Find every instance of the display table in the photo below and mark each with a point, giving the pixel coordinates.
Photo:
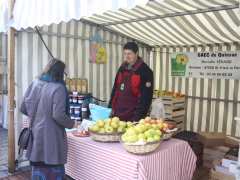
(90, 160)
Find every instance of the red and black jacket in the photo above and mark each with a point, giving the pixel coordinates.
(138, 95)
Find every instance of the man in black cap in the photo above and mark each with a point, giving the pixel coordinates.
(133, 87)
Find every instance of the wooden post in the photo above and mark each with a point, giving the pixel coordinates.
(11, 94)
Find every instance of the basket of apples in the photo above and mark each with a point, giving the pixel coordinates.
(142, 138)
(108, 130)
(169, 129)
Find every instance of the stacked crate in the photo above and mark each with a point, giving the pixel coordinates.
(175, 109)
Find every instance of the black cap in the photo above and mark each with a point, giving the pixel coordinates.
(131, 46)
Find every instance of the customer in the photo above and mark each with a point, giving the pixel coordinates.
(46, 104)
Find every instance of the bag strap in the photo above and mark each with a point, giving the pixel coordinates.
(35, 112)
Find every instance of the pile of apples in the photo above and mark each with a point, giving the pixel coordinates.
(147, 130)
(172, 94)
(110, 125)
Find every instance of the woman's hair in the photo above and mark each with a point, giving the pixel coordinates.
(55, 68)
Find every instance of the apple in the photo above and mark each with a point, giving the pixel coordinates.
(159, 121)
(165, 125)
(121, 129)
(109, 129)
(148, 126)
(132, 138)
(114, 124)
(124, 137)
(150, 139)
(153, 121)
(155, 126)
(158, 132)
(160, 125)
(100, 123)
(94, 128)
(140, 128)
(148, 118)
(129, 124)
(122, 123)
(156, 138)
(131, 131)
(141, 137)
(142, 121)
(115, 119)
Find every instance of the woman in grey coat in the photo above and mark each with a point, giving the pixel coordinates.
(46, 104)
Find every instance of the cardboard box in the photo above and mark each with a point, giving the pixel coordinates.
(212, 139)
(214, 175)
(218, 175)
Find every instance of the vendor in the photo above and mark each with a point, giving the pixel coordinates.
(133, 87)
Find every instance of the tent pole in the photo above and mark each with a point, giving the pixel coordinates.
(11, 92)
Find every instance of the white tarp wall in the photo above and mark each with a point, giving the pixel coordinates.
(212, 103)
(70, 43)
(3, 69)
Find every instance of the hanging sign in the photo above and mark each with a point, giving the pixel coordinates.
(219, 65)
(98, 53)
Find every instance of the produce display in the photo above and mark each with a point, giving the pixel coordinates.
(147, 130)
(110, 126)
(109, 130)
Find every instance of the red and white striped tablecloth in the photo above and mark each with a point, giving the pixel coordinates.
(90, 160)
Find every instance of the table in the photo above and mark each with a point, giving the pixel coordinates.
(90, 160)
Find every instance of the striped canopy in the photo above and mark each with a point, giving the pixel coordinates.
(31, 13)
(175, 22)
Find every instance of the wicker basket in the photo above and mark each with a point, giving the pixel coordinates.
(141, 149)
(105, 137)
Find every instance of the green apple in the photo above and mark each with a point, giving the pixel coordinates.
(150, 139)
(109, 129)
(141, 121)
(141, 137)
(131, 131)
(155, 126)
(100, 123)
(124, 137)
(115, 119)
(140, 128)
(121, 129)
(94, 128)
(148, 126)
(156, 138)
(153, 131)
(114, 124)
(132, 139)
(158, 132)
(129, 124)
(122, 123)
